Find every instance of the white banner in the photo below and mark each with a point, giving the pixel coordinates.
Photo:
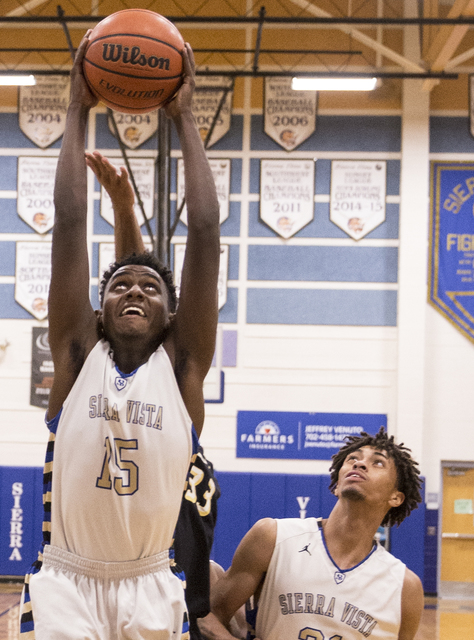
(42, 109)
(357, 203)
(179, 251)
(290, 116)
(144, 174)
(35, 191)
(205, 105)
(287, 195)
(221, 173)
(134, 128)
(106, 258)
(32, 277)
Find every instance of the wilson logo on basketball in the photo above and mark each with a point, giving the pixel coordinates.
(134, 56)
(133, 62)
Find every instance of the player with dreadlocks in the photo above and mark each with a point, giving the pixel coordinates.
(329, 578)
(408, 474)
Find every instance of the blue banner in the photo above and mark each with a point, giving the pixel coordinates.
(451, 278)
(21, 516)
(292, 434)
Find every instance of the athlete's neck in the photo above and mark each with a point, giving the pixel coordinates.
(129, 359)
(349, 536)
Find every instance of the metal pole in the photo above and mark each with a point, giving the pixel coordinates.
(162, 238)
(60, 14)
(226, 20)
(264, 74)
(261, 14)
(217, 114)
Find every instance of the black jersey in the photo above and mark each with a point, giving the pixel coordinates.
(194, 536)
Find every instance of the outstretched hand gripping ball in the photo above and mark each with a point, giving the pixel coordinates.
(133, 61)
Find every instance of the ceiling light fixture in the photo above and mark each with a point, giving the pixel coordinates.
(17, 80)
(333, 84)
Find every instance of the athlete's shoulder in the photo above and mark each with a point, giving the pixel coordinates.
(295, 527)
(391, 565)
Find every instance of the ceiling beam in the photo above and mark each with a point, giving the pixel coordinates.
(445, 31)
(462, 57)
(262, 73)
(27, 6)
(447, 40)
(430, 10)
(406, 64)
(321, 21)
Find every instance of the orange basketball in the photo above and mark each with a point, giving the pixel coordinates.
(133, 62)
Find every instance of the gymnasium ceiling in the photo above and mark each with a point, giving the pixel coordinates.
(246, 37)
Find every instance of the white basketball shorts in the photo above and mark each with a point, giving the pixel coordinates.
(73, 598)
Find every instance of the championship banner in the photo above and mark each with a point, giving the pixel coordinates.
(42, 368)
(35, 191)
(144, 174)
(179, 251)
(134, 129)
(32, 277)
(451, 276)
(290, 116)
(471, 104)
(297, 435)
(221, 173)
(357, 199)
(286, 195)
(206, 100)
(42, 109)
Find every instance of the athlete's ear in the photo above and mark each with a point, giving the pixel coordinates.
(171, 318)
(396, 499)
(100, 324)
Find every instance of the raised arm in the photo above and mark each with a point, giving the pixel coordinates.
(193, 338)
(128, 237)
(242, 580)
(72, 332)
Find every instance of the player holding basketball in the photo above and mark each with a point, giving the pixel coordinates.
(327, 579)
(125, 408)
(194, 531)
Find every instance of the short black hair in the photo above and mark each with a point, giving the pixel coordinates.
(145, 259)
(408, 474)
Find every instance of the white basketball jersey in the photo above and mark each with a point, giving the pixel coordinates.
(305, 596)
(121, 455)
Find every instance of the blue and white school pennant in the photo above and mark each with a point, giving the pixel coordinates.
(451, 277)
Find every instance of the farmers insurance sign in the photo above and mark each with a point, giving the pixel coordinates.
(288, 434)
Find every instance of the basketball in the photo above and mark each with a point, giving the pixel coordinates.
(133, 61)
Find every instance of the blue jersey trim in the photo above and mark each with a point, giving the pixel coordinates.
(53, 423)
(195, 440)
(320, 524)
(126, 375)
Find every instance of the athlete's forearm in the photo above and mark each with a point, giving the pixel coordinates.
(128, 237)
(200, 190)
(70, 188)
(211, 628)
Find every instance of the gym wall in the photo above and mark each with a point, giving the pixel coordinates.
(323, 323)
